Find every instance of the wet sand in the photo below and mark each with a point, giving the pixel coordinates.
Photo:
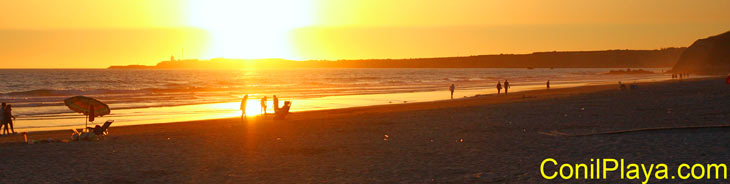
(490, 138)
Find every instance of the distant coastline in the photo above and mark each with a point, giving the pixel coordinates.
(659, 58)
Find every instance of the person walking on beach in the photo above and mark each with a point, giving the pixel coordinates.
(506, 86)
(8, 119)
(451, 88)
(548, 84)
(244, 101)
(499, 87)
(276, 104)
(263, 105)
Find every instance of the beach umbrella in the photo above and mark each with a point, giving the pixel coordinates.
(88, 106)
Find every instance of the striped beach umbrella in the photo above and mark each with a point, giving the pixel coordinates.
(88, 106)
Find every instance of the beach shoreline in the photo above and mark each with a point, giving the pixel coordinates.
(222, 110)
(480, 98)
(483, 139)
(165, 97)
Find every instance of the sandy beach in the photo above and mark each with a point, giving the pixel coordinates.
(482, 139)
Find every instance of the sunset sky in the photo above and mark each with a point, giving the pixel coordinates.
(95, 34)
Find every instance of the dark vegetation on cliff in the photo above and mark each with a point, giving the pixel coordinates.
(706, 56)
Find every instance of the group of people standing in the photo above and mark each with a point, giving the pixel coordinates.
(244, 101)
(506, 87)
(680, 75)
(6, 119)
(500, 86)
(264, 106)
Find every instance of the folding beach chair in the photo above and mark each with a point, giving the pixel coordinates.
(283, 111)
(104, 129)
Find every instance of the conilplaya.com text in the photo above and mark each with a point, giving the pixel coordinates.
(602, 168)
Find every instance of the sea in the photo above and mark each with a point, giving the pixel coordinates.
(148, 96)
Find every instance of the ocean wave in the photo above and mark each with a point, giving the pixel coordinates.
(347, 78)
(461, 79)
(393, 82)
(44, 92)
(74, 92)
(65, 92)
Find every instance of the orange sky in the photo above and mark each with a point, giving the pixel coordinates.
(92, 33)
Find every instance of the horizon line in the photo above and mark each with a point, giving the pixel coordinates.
(204, 59)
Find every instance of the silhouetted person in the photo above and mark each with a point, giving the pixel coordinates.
(8, 119)
(451, 88)
(548, 84)
(506, 86)
(263, 105)
(2, 116)
(244, 101)
(621, 86)
(276, 104)
(499, 87)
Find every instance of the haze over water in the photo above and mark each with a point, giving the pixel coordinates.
(154, 96)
